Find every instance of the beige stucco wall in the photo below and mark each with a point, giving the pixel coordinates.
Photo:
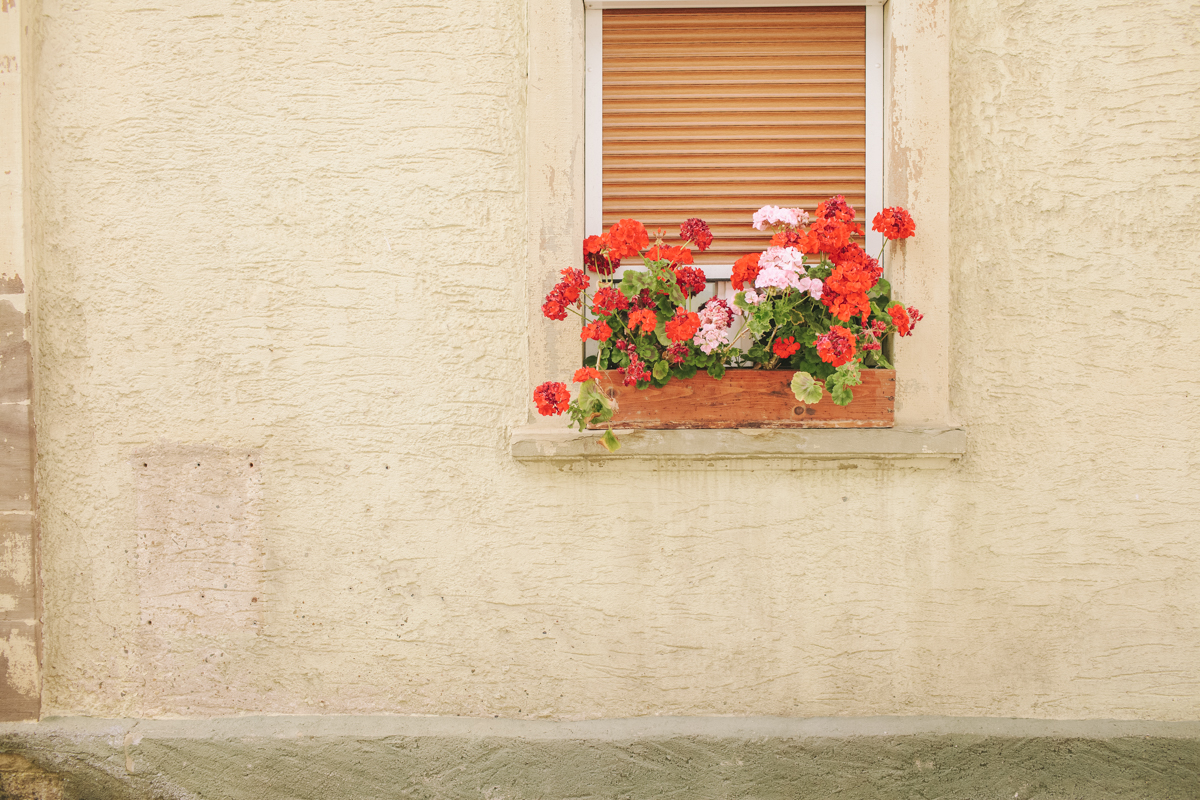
(284, 269)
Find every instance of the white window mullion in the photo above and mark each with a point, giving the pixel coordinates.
(593, 122)
(874, 132)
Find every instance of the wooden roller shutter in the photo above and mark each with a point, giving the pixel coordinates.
(714, 113)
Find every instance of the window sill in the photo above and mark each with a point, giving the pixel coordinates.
(869, 448)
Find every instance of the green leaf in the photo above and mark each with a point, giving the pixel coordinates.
(841, 394)
(717, 369)
(660, 331)
(632, 282)
(609, 440)
(676, 294)
(590, 361)
(806, 389)
(880, 289)
(661, 368)
(739, 300)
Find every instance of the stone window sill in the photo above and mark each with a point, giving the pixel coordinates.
(869, 448)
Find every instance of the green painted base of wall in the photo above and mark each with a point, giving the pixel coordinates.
(391, 757)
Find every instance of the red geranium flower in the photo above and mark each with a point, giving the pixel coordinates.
(645, 318)
(830, 235)
(788, 238)
(636, 371)
(683, 325)
(836, 208)
(644, 299)
(627, 238)
(894, 223)
(584, 374)
(551, 398)
(900, 319)
(674, 256)
(676, 353)
(595, 259)
(691, 280)
(745, 270)
(609, 300)
(785, 348)
(597, 330)
(836, 347)
(573, 282)
(565, 293)
(845, 291)
(554, 308)
(696, 230)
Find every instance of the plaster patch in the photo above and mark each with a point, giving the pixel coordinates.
(199, 558)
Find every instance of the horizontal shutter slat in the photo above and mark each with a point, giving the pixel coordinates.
(717, 112)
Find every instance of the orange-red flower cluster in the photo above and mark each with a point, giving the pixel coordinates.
(595, 259)
(785, 348)
(900, 319)
(584, 374)
(745, 270)
(829, 235)
(644, 318)
(674, 256)
(845, 291)
(565, 293)
(683, 325)
(691, 280)
(894, 223)
(696, 230)
(626, 239)
(609, 300)
(853, 254)
(597, 330)
(552, 398)
(789, 238)
(837, 346)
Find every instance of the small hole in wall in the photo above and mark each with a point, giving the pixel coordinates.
(145, 465)
(197, 463)
(252, 463)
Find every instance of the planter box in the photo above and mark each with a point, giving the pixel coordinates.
(749, 398)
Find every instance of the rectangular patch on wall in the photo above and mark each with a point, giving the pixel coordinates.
(199, 550)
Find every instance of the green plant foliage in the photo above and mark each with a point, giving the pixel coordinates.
(807, 389)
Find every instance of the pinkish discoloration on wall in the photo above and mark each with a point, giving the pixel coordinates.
(200, 563)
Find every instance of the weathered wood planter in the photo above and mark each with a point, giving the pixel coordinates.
(749, 398)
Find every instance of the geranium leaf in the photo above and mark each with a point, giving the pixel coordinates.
(609, 440)
(806, 388)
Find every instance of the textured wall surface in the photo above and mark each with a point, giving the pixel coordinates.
(294, 235)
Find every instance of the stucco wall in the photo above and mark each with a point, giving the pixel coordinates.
(287, 243)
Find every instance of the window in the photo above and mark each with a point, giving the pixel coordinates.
(914, 84)
(715, 112)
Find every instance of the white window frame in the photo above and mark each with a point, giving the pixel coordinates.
(594, 104)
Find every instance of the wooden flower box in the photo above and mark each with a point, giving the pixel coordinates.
(748, 398)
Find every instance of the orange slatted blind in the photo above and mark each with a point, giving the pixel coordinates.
(714, 113)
